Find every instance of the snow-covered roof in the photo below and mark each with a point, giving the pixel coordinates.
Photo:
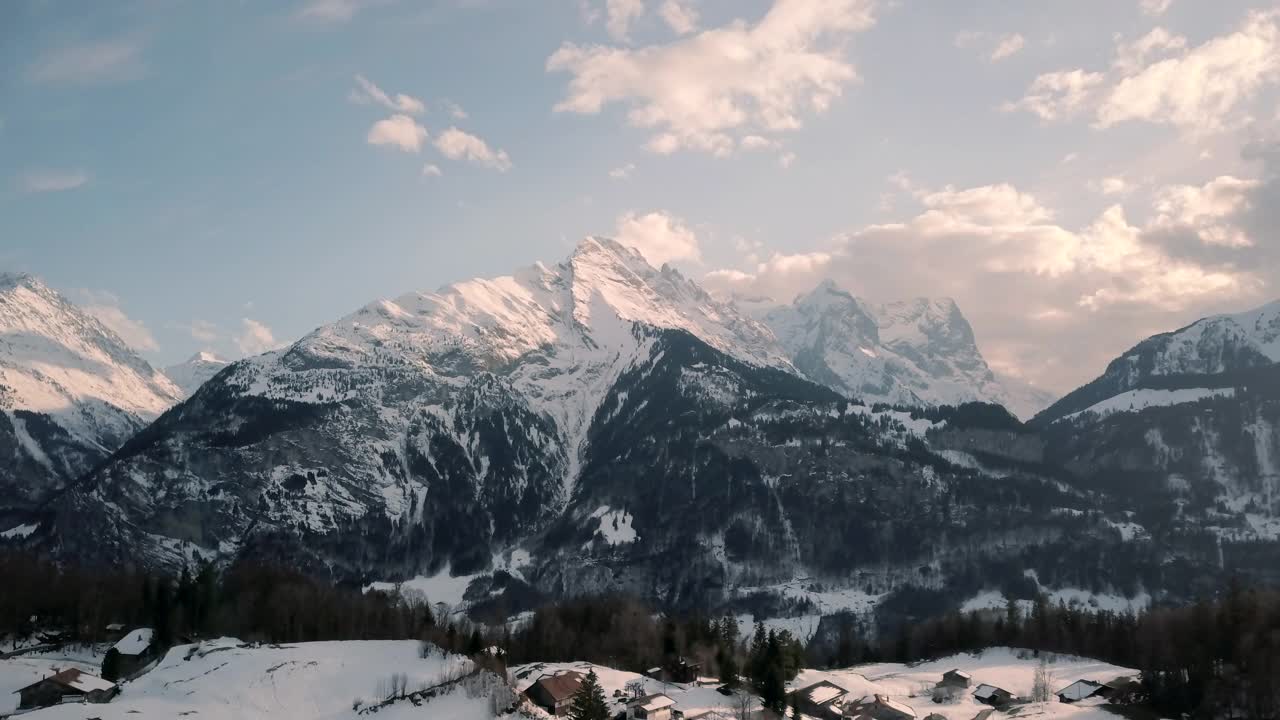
(76, 680)
(824, 693)
(649, 703)
(900, 707)
(135, 642)
(959, 674)
(1080, 690)
(985, 691)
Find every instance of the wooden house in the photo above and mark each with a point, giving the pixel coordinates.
(878, 707)
(651, 707)
(554, 693)
(68, 686)
(992, 695)
(951, 686)
(136, 650)
(820, 700)
(1079, 690)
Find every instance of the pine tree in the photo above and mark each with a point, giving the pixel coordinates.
(589, 702)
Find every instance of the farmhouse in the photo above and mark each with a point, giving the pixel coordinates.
(1079, 690)
(67, 686)
(1122, 690)
(681, 670)
(951, 686)
(878, 707)
(554, 693)
(650, 707)
(992, 695)
(820, 700)
(131, 654)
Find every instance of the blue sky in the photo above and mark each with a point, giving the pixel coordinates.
(231, 175)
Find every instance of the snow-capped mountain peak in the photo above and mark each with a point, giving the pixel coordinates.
(196, 371)
(912, 352)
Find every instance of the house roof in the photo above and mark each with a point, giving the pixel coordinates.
(561, 687)
(821, 693)
(959, 674)
(883, 701)
(135, 642)
(985, 691)
(649, 703)
(73, 679)
(1080, 690)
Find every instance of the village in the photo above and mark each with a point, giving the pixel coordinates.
(999, 682)
(129, 672)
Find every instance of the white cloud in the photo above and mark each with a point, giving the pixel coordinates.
(458, 145)
(1155, 7)
(660, 237)
(622, 173)
(704, 91)
(757, 142)
(370, 93)
(679, 15)
(88, 63)
(106, 308)
(202, 330)
(431, 170)
(53, 180)
(1158, 79)
(454, 109)
(1209, 209)
(619, 14)
(1111, 186)
(255, 338)
(332, 11)
(400, 131)
(1008, 46)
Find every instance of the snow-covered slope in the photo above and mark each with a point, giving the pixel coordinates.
(196, 371)
(227, 679)
(71, 391)
(1220, 345)
(913, 352)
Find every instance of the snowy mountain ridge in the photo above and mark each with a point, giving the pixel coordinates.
(71, 391)
(911, 352)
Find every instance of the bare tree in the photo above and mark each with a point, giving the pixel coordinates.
(1041, 686)
(743, 704)
(635, 688)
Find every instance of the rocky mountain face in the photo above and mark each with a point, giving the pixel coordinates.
(604, 425)
(916, 352)
(196, 371)
(71, 392)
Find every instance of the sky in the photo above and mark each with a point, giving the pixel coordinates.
(1076, 174)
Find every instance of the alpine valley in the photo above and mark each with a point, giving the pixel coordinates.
(601, 425)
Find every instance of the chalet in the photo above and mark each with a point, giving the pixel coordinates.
(711, 715)
(1122, 690)
(680, 671)
(878, 707)
(130, 655)
(68, 686)
(992, 695)
(651, 707)
(820, 700)
(951, 686)
(1079, 690)
(554, 693)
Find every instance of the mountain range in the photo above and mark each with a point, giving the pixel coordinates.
(602, 424)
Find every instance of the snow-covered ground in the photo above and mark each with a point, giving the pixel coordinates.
(690, 699)
(228, 679)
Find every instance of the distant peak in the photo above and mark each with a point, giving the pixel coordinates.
(205, 356)
(827, 292)
(16, 279)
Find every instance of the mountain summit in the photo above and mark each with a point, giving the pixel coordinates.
(71, 391)
(913, 352)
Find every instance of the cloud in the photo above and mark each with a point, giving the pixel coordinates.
(106, 308)
(99, 62)
(660, 237)
(203, 331)
(458, 145)
(1111, 186)
(367, 93)
(679, 15)
(1159, 79)
(1008, 46)
(619, 14)
(622, 173)
(332, 11)
(704, 91)
(431, 170)
(400, 131)
(1056, 300)
(255, 338)
(53, 180)
(454, 109)
(1154, 7)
